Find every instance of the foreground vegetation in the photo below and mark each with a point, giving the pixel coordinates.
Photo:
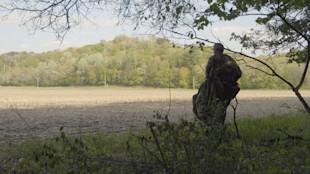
(277, 144)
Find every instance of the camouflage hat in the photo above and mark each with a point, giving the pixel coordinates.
(218, 47)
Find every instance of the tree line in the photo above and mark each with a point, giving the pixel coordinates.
(129, 61)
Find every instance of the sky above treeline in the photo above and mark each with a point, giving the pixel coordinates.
(17, 37)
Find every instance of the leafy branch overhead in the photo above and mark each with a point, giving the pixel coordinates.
(285, 24)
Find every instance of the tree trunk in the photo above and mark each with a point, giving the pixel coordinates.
(302, 100)
(296, 90)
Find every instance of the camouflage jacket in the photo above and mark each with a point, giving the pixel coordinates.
(224, 67)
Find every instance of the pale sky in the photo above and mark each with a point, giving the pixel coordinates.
(15, 37)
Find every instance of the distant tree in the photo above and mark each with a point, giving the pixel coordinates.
(135, 79)
(82, 67)
(52, 73)
(285, 23)
(66, 69)
(182, 77)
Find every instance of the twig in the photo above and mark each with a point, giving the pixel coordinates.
(247, 148)
(125, 162)
(292, 137)
(235, 122)
(189, 163)
(150, 152)
(238, 135)
(160, 150)
(21, 117)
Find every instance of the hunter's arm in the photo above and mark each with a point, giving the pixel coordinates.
(209, 66)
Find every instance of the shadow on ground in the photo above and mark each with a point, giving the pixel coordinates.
(45, 122)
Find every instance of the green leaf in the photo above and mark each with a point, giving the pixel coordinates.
(167, 8)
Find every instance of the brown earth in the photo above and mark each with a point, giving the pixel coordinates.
(39, 113)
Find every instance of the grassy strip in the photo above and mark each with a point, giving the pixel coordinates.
(276, 144)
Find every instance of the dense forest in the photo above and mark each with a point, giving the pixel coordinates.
(128, 61)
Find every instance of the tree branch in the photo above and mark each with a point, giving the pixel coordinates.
(274, 73)
(258, 69)
(305, 69)
(291, 26)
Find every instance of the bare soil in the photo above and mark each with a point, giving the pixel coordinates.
(27, 113)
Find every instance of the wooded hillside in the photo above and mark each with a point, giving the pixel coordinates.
(128, 61)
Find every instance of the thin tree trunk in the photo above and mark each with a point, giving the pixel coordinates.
(302, 79)
(302, 100)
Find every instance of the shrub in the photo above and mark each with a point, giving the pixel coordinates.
(276, 144)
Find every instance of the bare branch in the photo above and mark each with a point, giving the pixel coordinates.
(235, 121)
(256, 68)
(274, 73)
(265, 64)
(58, 16)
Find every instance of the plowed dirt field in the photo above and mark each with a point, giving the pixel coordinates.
(39, 113)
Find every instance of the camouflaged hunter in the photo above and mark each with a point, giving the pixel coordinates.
(219, 88)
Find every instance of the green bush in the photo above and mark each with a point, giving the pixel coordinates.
(275, 144)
